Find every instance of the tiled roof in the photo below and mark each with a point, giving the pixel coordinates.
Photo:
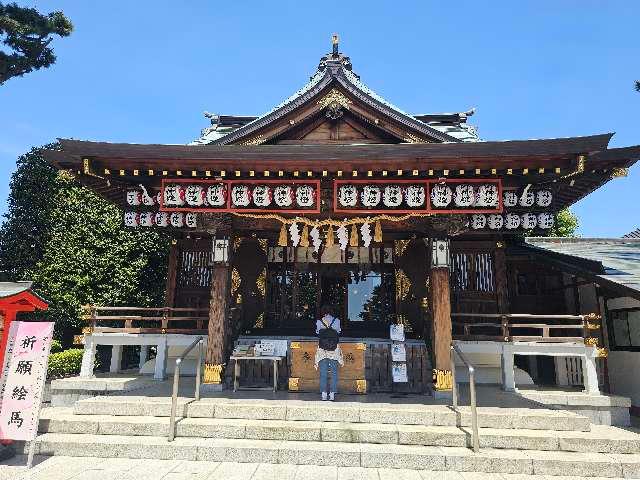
(619, 257)
(634, 234)
(453, 131)
(8, 289)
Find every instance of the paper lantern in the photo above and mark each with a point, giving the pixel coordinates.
(146, 198)
(478, 221)
(134, 197)
(176, 219)
(348, 195)
(370, 195)
(174, 196)
(191, 220)
(510, 198)
(262, 195)
(217, 195)
(131, 219)
(146, 219)
(161, 219)
(441, 195)
(283, 196)
(464, 196)
(495, 221)
(195, 195)
(392, 196)
(544, 198)
(240, 195)
(487, 195)
(545, 220)
(512, 221)
(529, 221)
(414, 196)
(527, 199)
(305, 196)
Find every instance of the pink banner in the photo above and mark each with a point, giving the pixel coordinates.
(23, 376)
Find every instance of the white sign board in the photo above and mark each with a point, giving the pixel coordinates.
(23, 376)
(398, 352)
(399, 372)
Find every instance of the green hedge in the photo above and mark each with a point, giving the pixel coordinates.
(56, 346)
(64, 364)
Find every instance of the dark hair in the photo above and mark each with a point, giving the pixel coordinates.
(326, 310)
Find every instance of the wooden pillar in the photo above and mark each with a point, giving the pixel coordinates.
(172, 272)
(216, 338)
(441, 312)
(502, 292)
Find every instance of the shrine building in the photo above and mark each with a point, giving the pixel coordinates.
(338, 197)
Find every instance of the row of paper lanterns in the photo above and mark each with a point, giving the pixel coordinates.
(512, 221)
(160, 219)
(442, 195)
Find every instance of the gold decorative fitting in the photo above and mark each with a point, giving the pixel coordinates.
(425, 303)
(619, 172)
(78, 339)
(442, 380)
(602, 353)
(403, 284)
(410, 138)
(261, 282)
(593, 326)
(237, 242)
(361, 386)
(499, 244)
(591, 341)
(592, 317)
(282, 238)
(353, 239)
(294, 384)
(335, 97)
(377, 232)
(235, 281)
(259, 140)
(259, 323)
(87, 331)
(400, 246)
(304, 237)
(295, 345)
(163, 331)
(194, 173)
(361, 346)
(213, 373)
(264, 244)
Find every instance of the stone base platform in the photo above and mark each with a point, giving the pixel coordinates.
(66, 391)
(600, 409)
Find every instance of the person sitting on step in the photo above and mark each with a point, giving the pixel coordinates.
(328, 354)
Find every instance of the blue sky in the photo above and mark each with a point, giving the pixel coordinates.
(145, 71)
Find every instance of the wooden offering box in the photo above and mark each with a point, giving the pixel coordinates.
(303, 376)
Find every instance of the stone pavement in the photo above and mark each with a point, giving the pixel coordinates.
(91, 468)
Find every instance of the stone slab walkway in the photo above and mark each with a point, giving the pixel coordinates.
(89, 468)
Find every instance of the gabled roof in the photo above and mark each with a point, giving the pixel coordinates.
(614, 261)
(335, 71)
(634, 234)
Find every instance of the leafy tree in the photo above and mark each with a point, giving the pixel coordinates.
(73, 245)
(637, 85)
(26, 35)
(565, 225)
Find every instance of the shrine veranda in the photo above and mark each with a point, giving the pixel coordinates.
(338, 197)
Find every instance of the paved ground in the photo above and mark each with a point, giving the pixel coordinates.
(88, 468)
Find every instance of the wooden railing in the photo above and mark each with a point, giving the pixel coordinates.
(145, 320)
(523, 327)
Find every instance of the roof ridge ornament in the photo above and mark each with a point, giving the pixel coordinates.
(335, 60)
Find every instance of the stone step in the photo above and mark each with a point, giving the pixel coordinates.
(351, 412)
(600, 439)
(341, 454)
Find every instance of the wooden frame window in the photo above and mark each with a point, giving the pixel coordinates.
(624, 329)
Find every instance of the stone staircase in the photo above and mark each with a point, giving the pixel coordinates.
(359, 434)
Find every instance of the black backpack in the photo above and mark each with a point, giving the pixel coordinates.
(328, 337)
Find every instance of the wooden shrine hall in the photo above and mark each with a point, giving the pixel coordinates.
(338, 197)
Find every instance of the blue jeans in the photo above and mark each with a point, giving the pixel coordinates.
(326, 365)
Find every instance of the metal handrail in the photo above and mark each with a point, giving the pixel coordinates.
(176, 381)
(455, 349)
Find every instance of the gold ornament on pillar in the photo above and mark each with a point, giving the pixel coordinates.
(377, 233)
(353, 240)
(212, 373)
(282, 238)
(330, 238)
(304, 238)
(442, 380)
